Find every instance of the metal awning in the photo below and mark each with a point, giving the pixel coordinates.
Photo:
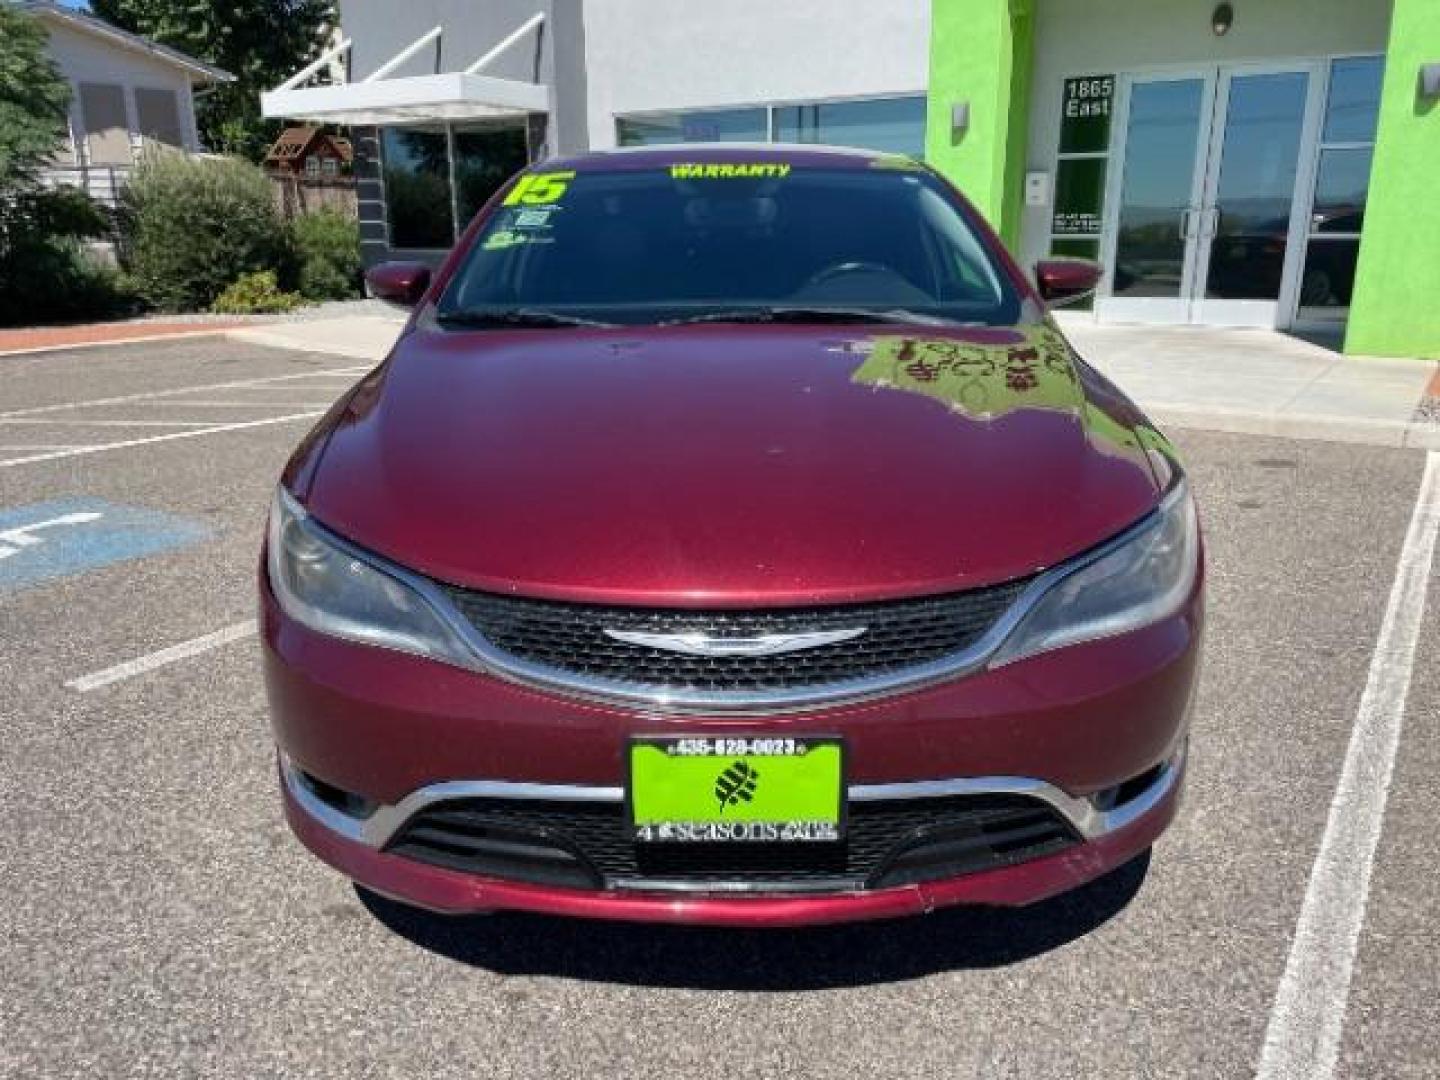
(455, 96)
(380, 99)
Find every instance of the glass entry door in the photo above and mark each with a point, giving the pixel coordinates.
(1204, 222)
(1249, 228)
(1151, 249)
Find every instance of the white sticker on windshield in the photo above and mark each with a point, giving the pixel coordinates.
(533, 219)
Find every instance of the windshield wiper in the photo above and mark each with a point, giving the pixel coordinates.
(516, 317)
(793, 313)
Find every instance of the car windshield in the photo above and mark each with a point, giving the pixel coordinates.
(709, 241)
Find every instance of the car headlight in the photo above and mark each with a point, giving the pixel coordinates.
(333, 591)
(1145, 578)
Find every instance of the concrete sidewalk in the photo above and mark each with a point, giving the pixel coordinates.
(363, 337)
(1260, 382)
(1253, 382)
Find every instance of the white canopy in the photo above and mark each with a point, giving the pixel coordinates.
(454, 96)
(380, 99)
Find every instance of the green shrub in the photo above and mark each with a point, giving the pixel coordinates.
(254, 294)
(191, 226)
(46, 272)
(62, 281)
(327, 249)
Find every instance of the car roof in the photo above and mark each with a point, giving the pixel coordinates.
(812, 154)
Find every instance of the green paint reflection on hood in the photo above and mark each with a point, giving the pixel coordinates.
(987, 381)
(984, 381)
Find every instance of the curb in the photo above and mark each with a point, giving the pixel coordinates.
(1310, 427)
(142, 339)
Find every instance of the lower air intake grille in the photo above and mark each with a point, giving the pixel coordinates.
(587, 845)
(572, 639)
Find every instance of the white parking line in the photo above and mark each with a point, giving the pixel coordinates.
(1302, 1040)
(100, 448)
(339, 380)
(183, 403)
(152, 395)
(140, 665)
(35, 420)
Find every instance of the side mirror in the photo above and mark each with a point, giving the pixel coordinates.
(399, 282)
(1061, 280)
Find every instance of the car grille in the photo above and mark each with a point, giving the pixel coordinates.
(588, 845)
(570, 638)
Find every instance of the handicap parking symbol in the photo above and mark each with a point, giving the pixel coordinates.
(57, 539)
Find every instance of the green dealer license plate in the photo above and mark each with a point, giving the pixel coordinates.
(707, 790)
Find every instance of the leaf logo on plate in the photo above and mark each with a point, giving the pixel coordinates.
(736, 784)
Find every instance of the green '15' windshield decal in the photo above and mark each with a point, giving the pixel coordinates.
(539, 188)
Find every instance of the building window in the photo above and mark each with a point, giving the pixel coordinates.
(107, 131)
(330, 167)
(1342, 186)
(312, 166)
(423, 210)
(889, 125)
(1081, 166)
(725, 125)
(417, 187)
(159, 115)
(484, 159)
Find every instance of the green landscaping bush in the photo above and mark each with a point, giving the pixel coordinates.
(254, 294)
(192, 226)
(327, 249)
(47, 274)
(59, 280)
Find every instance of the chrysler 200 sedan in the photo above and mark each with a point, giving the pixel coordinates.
(731, 537)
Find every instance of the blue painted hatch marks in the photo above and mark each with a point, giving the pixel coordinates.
(63, 537)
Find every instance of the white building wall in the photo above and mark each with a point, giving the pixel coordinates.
(84, 57)
(1102, 37)
(653, 55)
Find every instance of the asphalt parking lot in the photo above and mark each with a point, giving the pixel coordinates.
(158, 919)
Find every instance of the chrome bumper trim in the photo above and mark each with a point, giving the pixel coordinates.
(377, 829)
(1081, 812)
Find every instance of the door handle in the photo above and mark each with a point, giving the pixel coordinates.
(1209, 222)
(1187, 217)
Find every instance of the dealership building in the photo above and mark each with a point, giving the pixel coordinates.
(1270, 163)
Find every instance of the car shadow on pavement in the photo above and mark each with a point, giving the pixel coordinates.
(764, 960)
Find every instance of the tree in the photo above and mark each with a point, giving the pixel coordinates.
(260, 42)
(33, 100)
(43, 271)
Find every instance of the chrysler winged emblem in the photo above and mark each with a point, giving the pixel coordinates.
(696, 643)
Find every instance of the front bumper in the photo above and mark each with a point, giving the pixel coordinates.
(1068, 729)
(356, 849)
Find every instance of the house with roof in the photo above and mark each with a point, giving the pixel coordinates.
(308, 152)
(127, 93)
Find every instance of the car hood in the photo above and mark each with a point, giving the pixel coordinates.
(731, 465)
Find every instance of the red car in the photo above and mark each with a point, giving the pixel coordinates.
(732, 538)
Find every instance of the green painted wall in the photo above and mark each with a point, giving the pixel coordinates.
(1395, 309)
(980, 52)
